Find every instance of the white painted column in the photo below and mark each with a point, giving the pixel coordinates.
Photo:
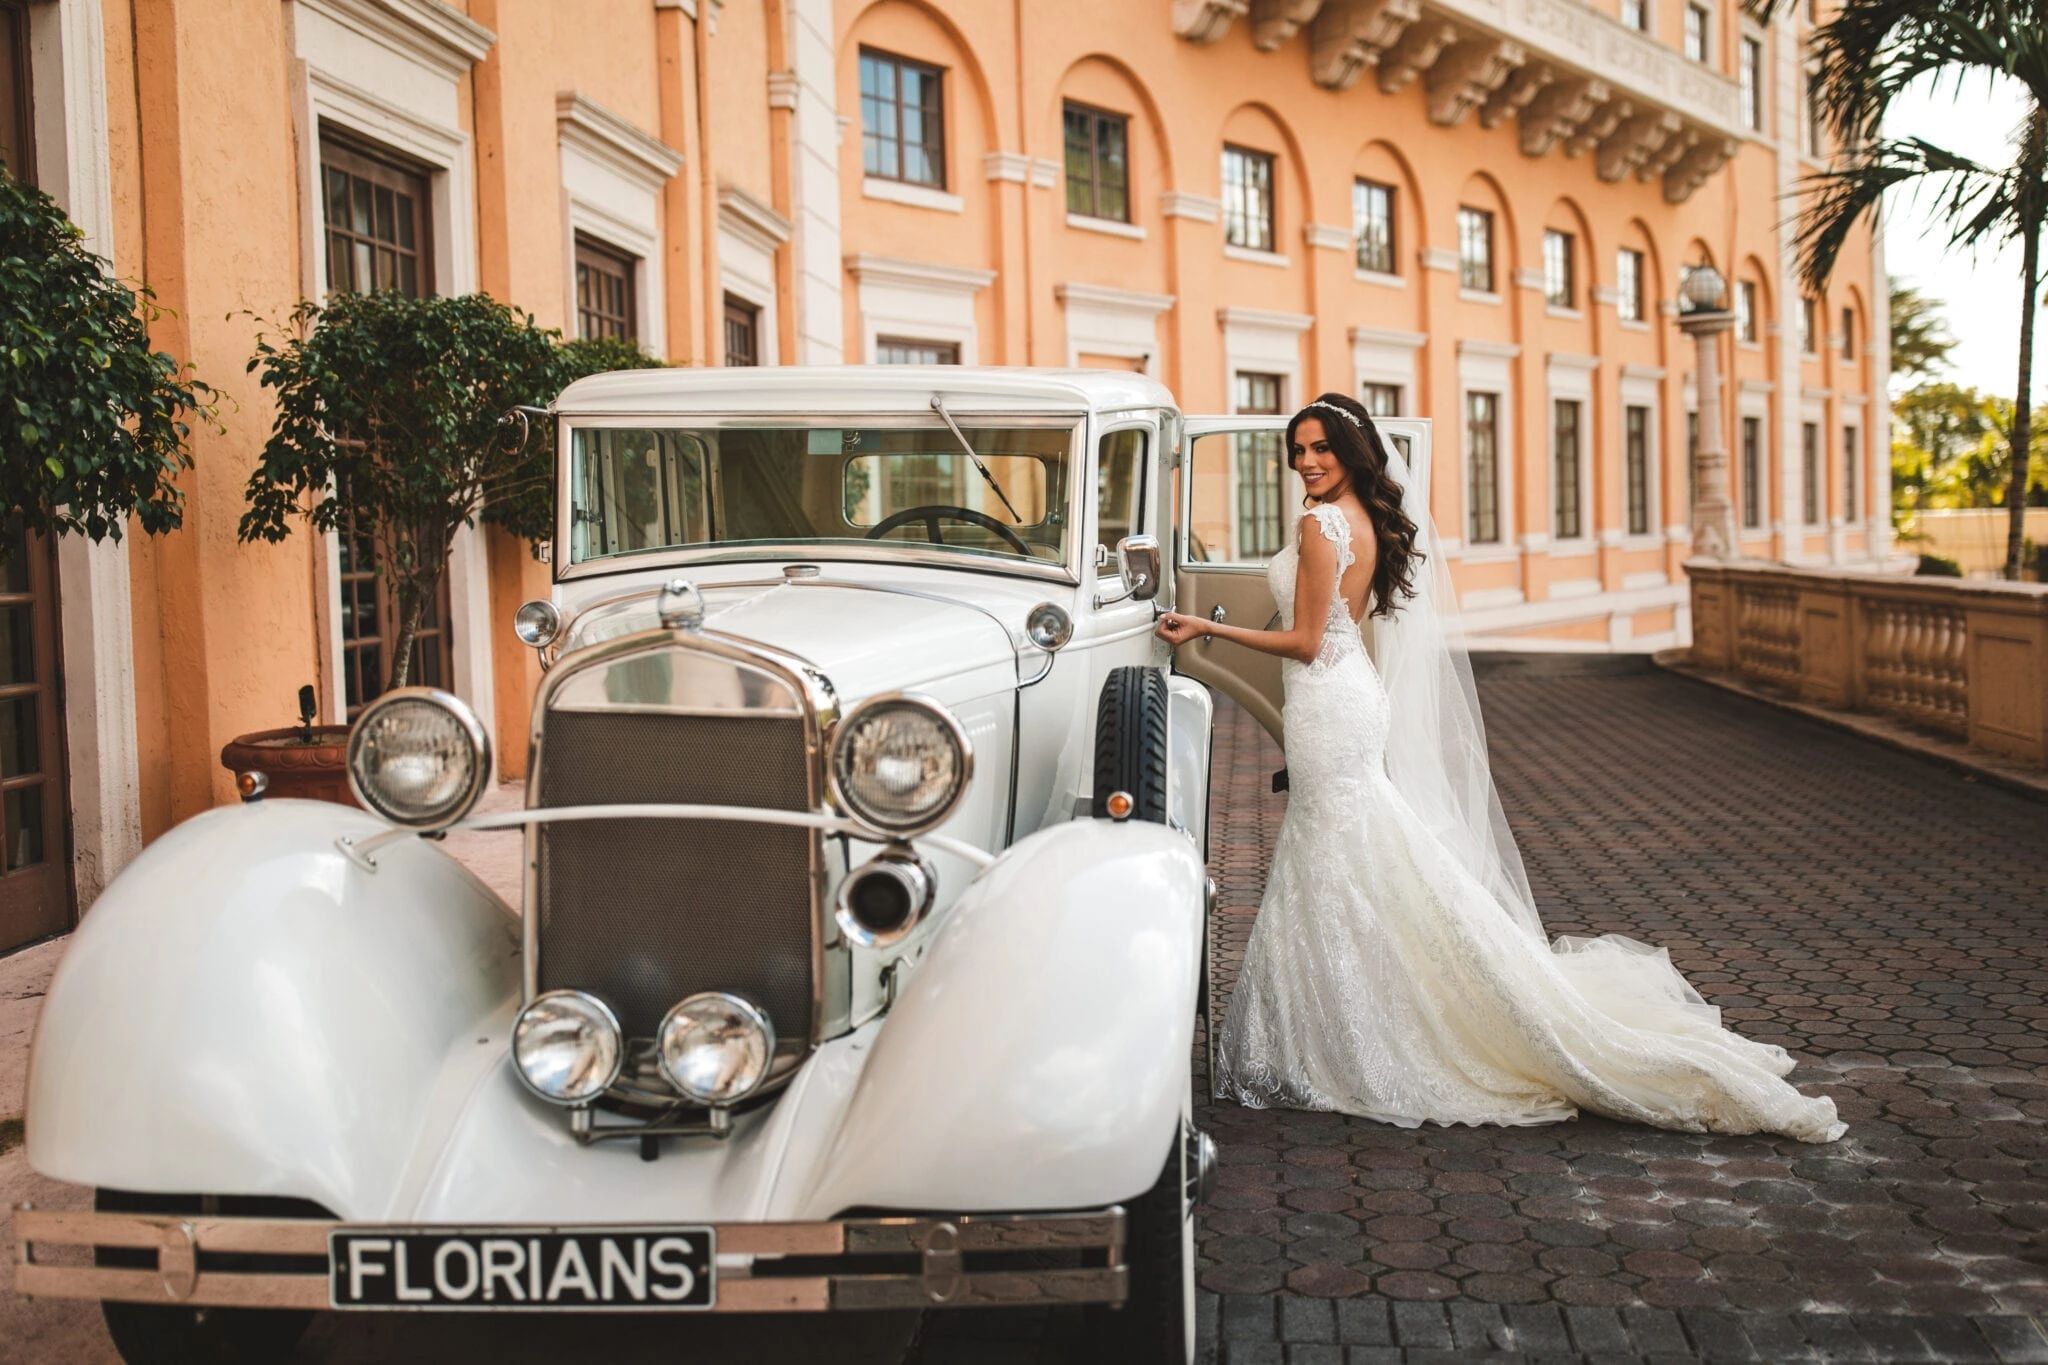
(809, 90)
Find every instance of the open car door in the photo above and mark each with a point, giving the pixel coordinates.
(1236, 505)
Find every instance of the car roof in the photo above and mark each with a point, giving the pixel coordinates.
(891, 389)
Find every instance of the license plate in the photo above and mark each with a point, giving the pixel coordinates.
(508, 1269)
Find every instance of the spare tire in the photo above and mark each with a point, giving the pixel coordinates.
(1130, 742)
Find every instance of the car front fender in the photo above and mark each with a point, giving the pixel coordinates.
(1038, 1058)
(247, 1010)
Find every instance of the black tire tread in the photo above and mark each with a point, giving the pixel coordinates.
(1130, 742)
(1149, 1327)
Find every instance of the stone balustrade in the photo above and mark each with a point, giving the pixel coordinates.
(1967, 658)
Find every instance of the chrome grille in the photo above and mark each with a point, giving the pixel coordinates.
(642, 913)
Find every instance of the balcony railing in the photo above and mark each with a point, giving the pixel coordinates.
(1965, 658)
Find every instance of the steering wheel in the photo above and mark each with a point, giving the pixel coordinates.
(930, 513)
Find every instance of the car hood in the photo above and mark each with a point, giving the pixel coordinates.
(864, 637)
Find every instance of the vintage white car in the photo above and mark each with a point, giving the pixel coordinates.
(865, 922)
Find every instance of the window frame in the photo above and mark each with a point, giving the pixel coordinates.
(1809, 325)
(602, 259)
(1097, 117)
(1140, 492)
(933, 146)
(1750, 73)
(1852, 469)
(1371, 389)
(1236, 194)
(1483, 521)
(378, 169)
(1566, 272)
(1699, 38)
(1810, 455)
(1640, 22)
(744, 314)
(1475, 225)
(1636, 458)
(1247, 521)
(1629, 266)
(1746, 295)
(1363, 189)
(1848, 342)
(1567, 479)
(1751, 429)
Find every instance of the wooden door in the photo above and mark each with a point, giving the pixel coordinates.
(35, 864)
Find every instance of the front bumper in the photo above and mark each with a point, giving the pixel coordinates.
(970, 1261)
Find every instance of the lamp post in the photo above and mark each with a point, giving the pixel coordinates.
(1703, 315)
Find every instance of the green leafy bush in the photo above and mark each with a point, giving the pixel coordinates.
(388, 429)
(94, 423)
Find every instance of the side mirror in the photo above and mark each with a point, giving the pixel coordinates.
(1138, 560)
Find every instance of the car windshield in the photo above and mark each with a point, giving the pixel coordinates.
(639, 490)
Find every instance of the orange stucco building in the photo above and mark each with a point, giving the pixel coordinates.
(1458, 209)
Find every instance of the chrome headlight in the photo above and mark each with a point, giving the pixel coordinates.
(419, 757)
(900, 764)
(566, 1047)
(715, 1048)
(537, 623)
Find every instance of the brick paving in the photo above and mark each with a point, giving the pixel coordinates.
(1880, 916)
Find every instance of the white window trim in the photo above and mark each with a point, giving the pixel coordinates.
(1379, 356)
(67, 82)
(749, 235)
(1253, 256)
(916, 196)
(1487, 367)
(1109, 227)
(1123, 323)
(1640, 387)
(1569, 378)
(917, 300)
(612, 180)
(389, 73)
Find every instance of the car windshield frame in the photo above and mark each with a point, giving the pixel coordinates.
(1079, 474)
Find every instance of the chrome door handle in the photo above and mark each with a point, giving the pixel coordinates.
(1216, 613)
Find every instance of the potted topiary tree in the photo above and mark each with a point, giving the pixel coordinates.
(388, 432)
(94, 424)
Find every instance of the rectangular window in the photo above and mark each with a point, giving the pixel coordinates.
(909, 351)
(1372, 225)
(1628, 284)
(1809, 472)
(1475, 250)
(1383, 400)
(1808, 326)
(1692, 461)
(605, 302)
(1482, 468)
(1753, 84)
(1248, 198)
(1745, 310)
(1560, 286)
(1098, 163)
(1697, 32)
(1636, 14)
(1119, 493)
(1259, 467)
(1567, 523)
(903, 122)
(1852, 489)
(1752, 472)
(17, 140)
(1636, 425)
(742, 332)
(1848, 334)
(375, 216)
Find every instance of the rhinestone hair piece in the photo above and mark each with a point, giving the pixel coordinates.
(1347, 416)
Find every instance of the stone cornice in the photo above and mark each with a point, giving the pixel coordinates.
(1102, 296)
(432, 32)
(597, 131)
(742, 213)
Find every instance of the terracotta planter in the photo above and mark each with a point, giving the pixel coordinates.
(316, 771)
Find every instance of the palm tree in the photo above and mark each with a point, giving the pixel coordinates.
(1865, 57)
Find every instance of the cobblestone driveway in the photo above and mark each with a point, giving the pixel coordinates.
(1882, 917)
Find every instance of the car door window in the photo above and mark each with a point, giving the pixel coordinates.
(1119, 492)
(1240, 497)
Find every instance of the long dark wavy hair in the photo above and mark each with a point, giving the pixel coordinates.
(1360, 448)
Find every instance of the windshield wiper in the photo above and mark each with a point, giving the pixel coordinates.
(986, 477)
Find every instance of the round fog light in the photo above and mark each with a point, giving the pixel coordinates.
(715, 1048)
(566, 1047)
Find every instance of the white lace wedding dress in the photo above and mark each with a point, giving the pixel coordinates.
(1384, 980)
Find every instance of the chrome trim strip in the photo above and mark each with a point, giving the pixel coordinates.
(936, 1242)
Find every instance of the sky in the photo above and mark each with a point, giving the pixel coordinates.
(1979, 295)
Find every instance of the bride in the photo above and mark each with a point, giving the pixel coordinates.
(1397, 969)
